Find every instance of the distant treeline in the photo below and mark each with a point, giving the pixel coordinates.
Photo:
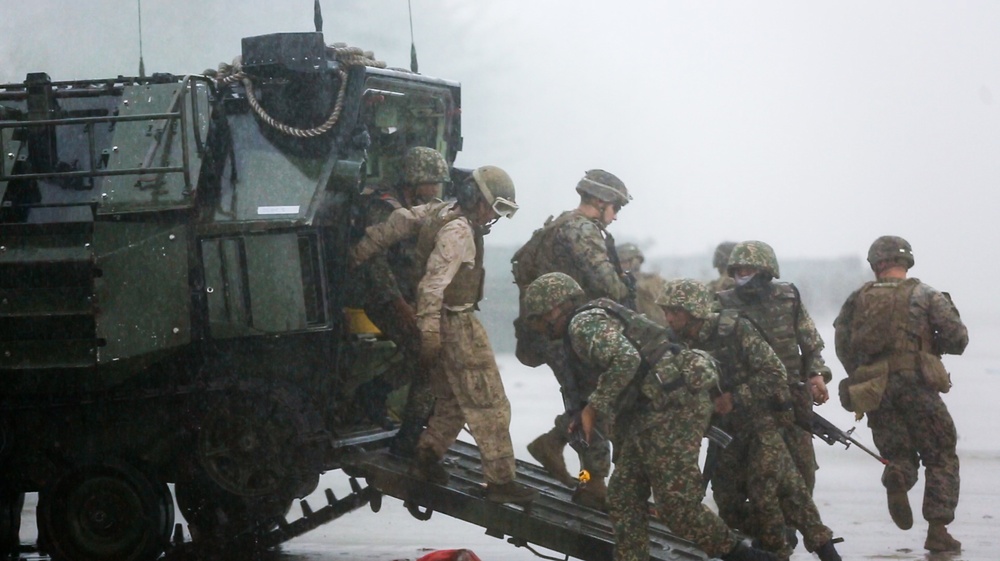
(824, 283)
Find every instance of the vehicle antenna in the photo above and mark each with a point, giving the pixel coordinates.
(318, 17)
(142, 65)
(413, 46)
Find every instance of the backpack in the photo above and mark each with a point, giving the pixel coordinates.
(531, 260)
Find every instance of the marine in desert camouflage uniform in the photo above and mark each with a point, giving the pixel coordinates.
(755, 404)
(465, 378)
(777, 310)
(659, 413)
(890, 334)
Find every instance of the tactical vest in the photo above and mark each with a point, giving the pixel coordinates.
(651, 339)
(467, 286)
(777, 318)
(724, 347)
(534, 258)
(881, 326)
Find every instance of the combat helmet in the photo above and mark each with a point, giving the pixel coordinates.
(890, 248)
(722, 251)
(630, 251)
(754, 254)
(495, 187)
(605, 186)
(549, 291)
(424, 165)
(689, 295)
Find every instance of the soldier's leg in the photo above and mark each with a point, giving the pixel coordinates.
(669, 458)
(796, 501)
(479, 391)
(628, 509)
(894, 441)
(800, 441)
(766, 458)
(447, 418)
(729, 489)
(933, 432)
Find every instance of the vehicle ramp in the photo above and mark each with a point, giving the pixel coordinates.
(553, 521)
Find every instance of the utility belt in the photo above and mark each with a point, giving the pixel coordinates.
(863, 390)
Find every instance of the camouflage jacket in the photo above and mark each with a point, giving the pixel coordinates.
(751, 370)
(929, 311)
(599, 342)
(578, 249)
(649, 287)
(784, 322)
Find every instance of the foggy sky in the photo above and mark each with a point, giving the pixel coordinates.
(813, 126)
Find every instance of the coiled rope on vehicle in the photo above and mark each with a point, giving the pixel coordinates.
(347, 57)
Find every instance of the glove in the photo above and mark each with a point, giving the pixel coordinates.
(430, 346)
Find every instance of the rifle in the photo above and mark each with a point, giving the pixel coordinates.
(718, 439)
(829, 433)
(626, 276)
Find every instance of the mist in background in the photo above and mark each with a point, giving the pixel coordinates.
(813, 126)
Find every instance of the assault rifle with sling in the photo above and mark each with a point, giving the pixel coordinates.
(829, 433)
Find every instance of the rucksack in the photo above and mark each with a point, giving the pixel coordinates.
(530, 261)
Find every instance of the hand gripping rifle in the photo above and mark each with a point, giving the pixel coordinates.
(830, 434)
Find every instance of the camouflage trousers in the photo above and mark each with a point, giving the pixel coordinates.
(419, 398)
(800, 441)
(912, 426)
(759, 491)
(663, 459)
(596, 458)
(468, 390)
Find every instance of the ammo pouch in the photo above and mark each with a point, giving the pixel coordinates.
(866, 386)
(934, 373)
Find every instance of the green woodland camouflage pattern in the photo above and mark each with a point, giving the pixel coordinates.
(777, 310)
(658, 438)
(605, 186)
(649, 286)
(757, 465)
(720, 259)
(912, 424)
(578, 249)
(891, 248)
(548, 291)
(756, 254)
(688, 295)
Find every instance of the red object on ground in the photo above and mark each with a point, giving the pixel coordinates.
(451, 555)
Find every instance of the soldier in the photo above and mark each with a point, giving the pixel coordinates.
(464, 375)
(578, 244)
(754, 404)
(648, 285)
(890, 335)
(777, 310)
(389, 281)
(656, 394)
(720, 260)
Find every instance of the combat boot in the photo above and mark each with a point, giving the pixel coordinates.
(899, 503)
(547, 450)
(827, 552)
(510, 492)
(427, 467)
(593, 494)
(743, 552)
(404, 444)
(938, 539)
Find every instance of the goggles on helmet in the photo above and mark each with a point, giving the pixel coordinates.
(503, 207)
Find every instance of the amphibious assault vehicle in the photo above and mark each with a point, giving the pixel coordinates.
(172, 288)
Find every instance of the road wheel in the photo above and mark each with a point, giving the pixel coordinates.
(107, 511)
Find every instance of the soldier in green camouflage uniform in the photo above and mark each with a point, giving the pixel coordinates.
(389, 282)
(889, 336)
(720, 260)
(777, 310)
(578, 244)
(648, 285)
(755, 404)
(659, 409)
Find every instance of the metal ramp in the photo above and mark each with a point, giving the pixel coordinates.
(553, 521)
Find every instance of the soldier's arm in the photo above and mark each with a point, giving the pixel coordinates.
(598, 340)
(811, 345)
(584, 244)
(842, 335)
(403, 223)
(950, 334)
(768, 383)
(382, 285)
